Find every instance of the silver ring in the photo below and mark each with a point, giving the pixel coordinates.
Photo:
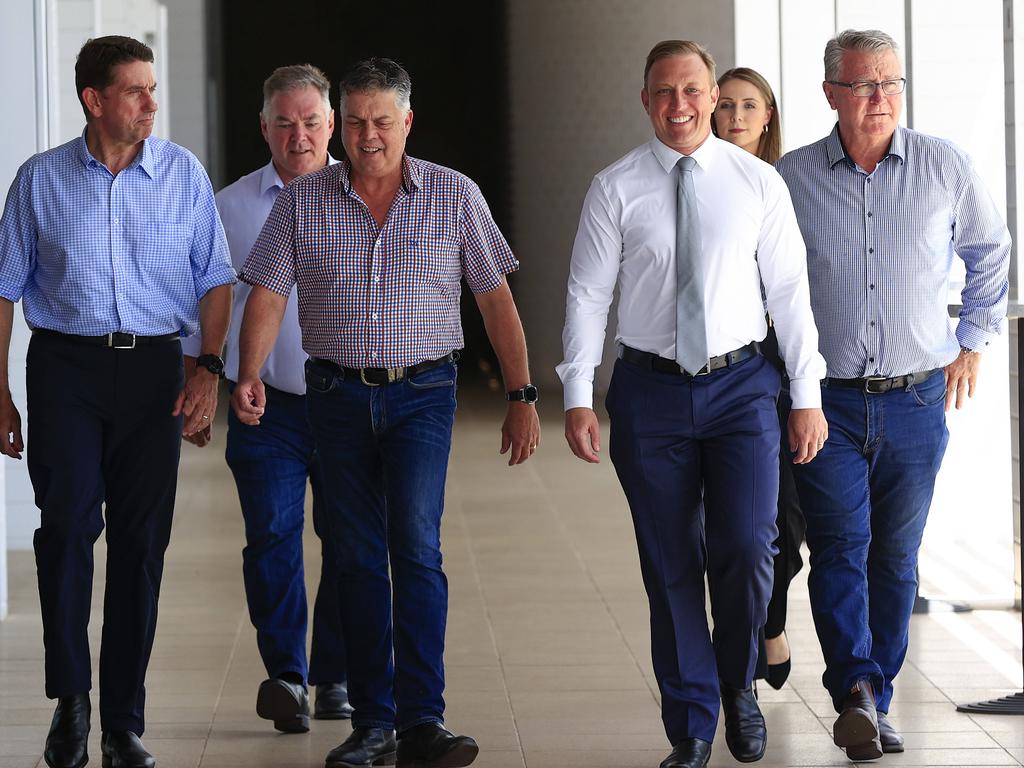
(206, 417)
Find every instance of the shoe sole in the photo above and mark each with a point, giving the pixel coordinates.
(871, 750)
(892, 749)
(388, 759)
(459, 757)
(80, 764)
(273, 702)
(854, 728)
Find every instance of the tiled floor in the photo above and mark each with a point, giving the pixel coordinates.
(548, 662)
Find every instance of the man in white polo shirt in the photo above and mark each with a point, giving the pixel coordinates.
(272, 461)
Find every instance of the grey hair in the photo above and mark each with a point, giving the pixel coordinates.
(872, 40)
(377, 74)
(293, 78)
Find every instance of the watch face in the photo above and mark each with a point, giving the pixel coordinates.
(212, 363)
(530, 394)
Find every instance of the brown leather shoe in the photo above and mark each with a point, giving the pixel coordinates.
(856, 728)
(892, 740)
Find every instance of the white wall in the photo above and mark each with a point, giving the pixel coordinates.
(22, 137)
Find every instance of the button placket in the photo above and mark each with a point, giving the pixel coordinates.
(871, 273)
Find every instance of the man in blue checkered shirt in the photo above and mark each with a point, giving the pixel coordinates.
(114, 243)
(378, 246)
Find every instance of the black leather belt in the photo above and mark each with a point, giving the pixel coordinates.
(653, 362)
(374, 377)
(114, 340)
(879, 386)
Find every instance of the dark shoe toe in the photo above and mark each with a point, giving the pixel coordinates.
(286, 703)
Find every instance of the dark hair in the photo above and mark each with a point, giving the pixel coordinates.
(94, 67)
(667, 48)
(376, 74)
(769, 148)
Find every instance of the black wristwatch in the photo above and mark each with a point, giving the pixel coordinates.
(527, 394)
(212, 363)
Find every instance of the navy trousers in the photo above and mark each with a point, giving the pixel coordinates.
(100, 432)
(270, 463)
(698, 460)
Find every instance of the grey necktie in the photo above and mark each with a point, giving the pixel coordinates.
(691, 336)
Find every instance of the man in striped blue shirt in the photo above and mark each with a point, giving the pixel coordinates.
(883, 211)
(114, 243)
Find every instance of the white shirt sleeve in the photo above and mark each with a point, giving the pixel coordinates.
(782, 260)
(593, 273)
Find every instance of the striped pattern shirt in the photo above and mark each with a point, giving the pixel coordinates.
(880, 247)
(94, 253)
(380, 297)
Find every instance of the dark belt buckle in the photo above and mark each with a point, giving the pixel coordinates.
(877, 386)
(117, 340)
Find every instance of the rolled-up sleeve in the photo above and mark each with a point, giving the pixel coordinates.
(211, 261)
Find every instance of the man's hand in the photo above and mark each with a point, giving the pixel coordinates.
(203, 436)
(11, 443)
(249, 400)
(197, 401)
(520, 432)
(808, 432)
(583, 434)
(961, 376)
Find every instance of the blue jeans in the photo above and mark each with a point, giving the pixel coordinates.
(270, 463)
(384, 453)
(698, 460)
(866, 497)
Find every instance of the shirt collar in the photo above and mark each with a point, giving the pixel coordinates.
(146, 159)
(412, 177)
(271, 179)
(705, 154)
(836, 150)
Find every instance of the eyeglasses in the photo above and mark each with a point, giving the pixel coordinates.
(866, 90)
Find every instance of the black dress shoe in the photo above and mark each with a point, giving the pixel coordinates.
(688, 753)
(777, 674)
(123, 749)
(364, 748)
(745, 732)
(856, 728)
(891, 739)
(68, 739)
(332, 702)
(431, 745)
(284, 702)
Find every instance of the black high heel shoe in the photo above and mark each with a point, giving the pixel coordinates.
(777, 674)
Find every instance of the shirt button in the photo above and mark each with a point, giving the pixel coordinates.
(373, 355)
(872, 286)
(872, 323)
(871, 250)
(117, 220)
(376, 279)
(870, 214)
(373, 316)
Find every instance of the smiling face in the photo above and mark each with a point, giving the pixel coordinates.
(742, 114)
(679, 98)
(866, 119)
(298, 125)
(374, 131)
(124, 111)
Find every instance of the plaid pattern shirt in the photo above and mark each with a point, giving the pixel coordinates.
(380, 297)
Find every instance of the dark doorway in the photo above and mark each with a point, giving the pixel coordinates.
(454, 51)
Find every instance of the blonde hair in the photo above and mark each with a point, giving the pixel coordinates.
(769, 148)
(667, 48)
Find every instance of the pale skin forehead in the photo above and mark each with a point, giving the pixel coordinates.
(869, 64)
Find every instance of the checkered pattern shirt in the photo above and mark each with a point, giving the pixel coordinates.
(380, 297)
(94, 253)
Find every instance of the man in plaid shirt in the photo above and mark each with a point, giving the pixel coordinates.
(378, 246)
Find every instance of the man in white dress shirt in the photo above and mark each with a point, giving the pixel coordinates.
(695, 446)
(271, 462)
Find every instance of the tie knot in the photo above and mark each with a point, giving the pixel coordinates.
(686, 163)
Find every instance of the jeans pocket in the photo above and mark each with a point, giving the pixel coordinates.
(435, 378)
(931, 391)
(319, 379)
